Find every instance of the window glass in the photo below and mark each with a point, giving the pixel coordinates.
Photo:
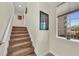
(74, 24)
(62, 28)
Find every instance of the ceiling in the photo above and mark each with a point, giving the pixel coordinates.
(20, 7)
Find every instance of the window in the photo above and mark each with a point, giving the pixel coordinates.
(68, 25)
(62, 26)
(74, 24)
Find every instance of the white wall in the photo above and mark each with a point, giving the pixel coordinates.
(30, 20)
(6, 12)
(17, 22)
(40, 38)
(60, 46)
(43, 35)
(44, 41)
(19, 11)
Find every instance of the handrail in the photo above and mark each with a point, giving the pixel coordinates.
(6, 30)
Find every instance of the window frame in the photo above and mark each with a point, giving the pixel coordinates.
(65, 38)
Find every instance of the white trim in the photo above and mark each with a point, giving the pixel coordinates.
(43, 54)
(57, 31)
(54, 53)
(61, 37)
(75, 40)
(35, 50)
(8, 30)
(72, 40)
(33, 43)
(6, 45)
(56, 27)
(7, 36)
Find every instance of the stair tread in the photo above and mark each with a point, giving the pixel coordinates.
(18, 34)
(16, 39)
(23, 51)
(19, 47)
(20, 39)
(20, 44)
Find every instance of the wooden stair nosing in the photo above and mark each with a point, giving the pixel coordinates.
(18, 27)
(19, 32)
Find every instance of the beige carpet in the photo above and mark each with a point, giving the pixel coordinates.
(20, 43)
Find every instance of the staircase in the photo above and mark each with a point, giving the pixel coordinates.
(20, 43)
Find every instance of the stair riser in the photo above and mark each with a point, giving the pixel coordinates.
(18, 39)
(25, 39)
(12, 37)
(18, 29)
(19, 32)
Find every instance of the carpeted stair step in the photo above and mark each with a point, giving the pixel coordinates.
(22, 52)
(13, 49)
(19, 39)
(20, 43)
(13, 35)
(20, 36)
(19, 32)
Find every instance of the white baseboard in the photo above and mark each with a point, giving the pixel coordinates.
(54, 53)
(45, 53)
(35, 50)
(42, 54)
